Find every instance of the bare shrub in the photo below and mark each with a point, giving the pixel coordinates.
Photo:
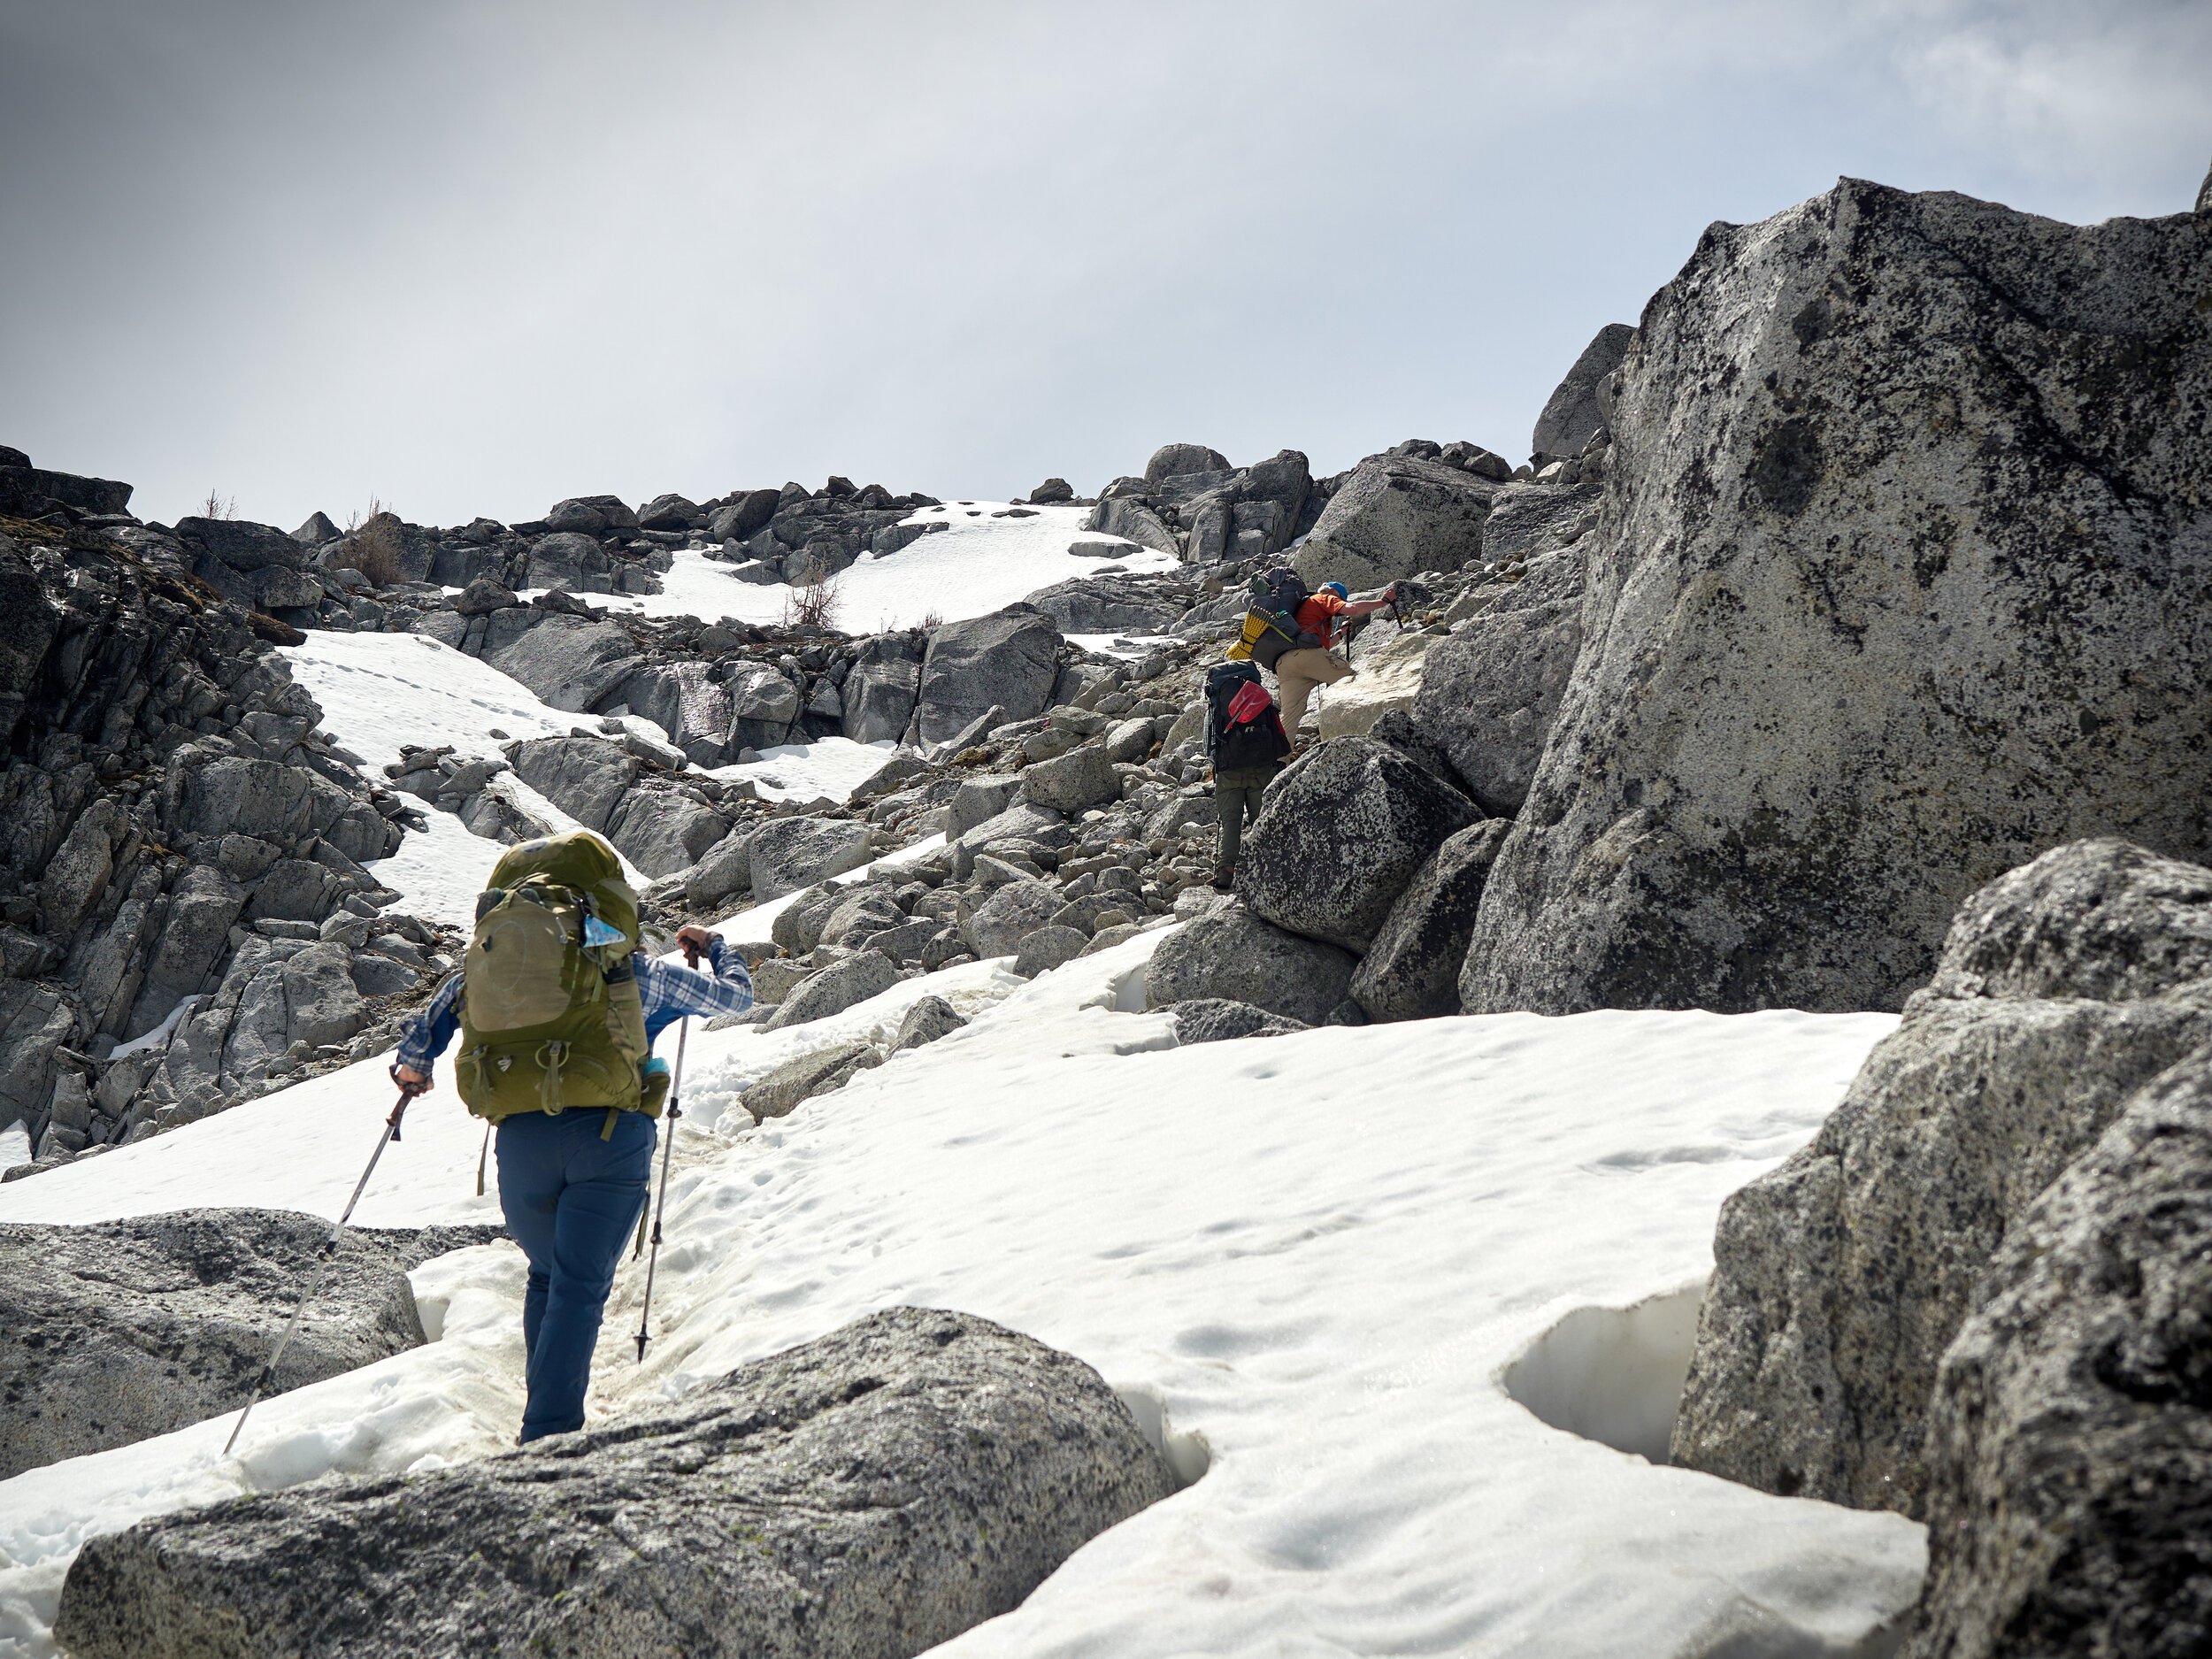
(933, 622)
(372, 545)
(813, 604)
(218, 505)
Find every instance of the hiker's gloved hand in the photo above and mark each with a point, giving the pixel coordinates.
(695, 941)
(408, 1077)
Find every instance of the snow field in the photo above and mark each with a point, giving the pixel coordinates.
(970, 569)
(1129, 648)
(380, 690)
(831, 766)
(377, 690)
(1390, 1298)
(1308, 1262)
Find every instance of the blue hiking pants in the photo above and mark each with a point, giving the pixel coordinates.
(571, 1200)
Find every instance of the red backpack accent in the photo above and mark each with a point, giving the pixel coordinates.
(1249, 704)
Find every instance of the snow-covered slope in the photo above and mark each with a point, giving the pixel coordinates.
(969, 569)
(380, 690)
(1349, 1279)
(1307, 1262)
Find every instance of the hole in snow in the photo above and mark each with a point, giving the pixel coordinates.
(1612, 1375)
(1187, 1452)
(1125, 994)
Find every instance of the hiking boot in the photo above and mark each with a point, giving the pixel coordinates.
(1223, 880)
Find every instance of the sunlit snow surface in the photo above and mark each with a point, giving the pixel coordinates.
(379, 690)
(831, 766)
(1310, 1256)
(970, 569)
(1306, 1263)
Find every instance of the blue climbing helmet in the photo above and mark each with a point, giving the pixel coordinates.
(1338, 588)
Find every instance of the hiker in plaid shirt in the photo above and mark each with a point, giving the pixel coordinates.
(573, 1183)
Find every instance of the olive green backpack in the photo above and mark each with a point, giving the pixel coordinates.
(550, 1011)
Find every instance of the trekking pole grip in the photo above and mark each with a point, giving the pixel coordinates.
(407, 1092)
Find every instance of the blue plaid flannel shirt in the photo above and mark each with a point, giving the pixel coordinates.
(668, 989)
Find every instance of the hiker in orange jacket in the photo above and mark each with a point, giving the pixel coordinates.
(1298, 671)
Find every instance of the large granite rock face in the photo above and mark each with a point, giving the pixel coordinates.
(880, 691)
(745, 515)
(1490, 692)
(685, 700)
(1007, 660)
(118, 1330)
(1527, 521)
(786, 854)
(978, 798)
(30, 490)
(1339, 834)
(166, 797)
(764, 702)
(238, 543)
(1232, 956)
(277, 995)
(1133, 520)
(724, 872)
(1109, 604)
(862, 909)
(1904, 576)
(1019, 823)
(2069, 1442)
(1388, 682)
(586, 777)
(663, 831)
(1083, 777)
(1397, 515)
(1014, 910)
(1571, 415)
(863, 974)
(866, 1495)
(570, 661)
(564, 560)
(1411, 970)
(1181, 460)
(1841, 1278)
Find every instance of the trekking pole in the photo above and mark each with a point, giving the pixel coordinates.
(668, 1150)
(391, 1131)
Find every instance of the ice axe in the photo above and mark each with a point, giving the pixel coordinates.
(668, 1149)
(391, 1131)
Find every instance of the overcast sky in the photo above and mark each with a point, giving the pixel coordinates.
(472, 258)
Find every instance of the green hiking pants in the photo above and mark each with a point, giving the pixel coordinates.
(1237, 800)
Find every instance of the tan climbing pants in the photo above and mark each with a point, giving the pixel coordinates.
(1297, 673)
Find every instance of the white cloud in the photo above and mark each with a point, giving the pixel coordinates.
(2073, 91)
(477, 257)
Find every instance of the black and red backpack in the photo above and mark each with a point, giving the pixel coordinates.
(1244, 728)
